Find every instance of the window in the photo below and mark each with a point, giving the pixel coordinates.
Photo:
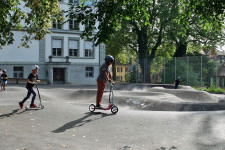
(88, 2)
(73, 47)
(119, 69)
(56, 25)
(73, 24)
(89, 72)
(119, 78)
(88, 49)
(18, 72)
(57, 48)
(74, 1)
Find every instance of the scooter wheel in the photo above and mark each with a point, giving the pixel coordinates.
(92, 108)
(42, 107)
(114, 109)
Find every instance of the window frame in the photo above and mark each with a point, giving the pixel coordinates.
(18, 72)
(119, 69)
(62, 46)
(92, 3)
(72, 2)
(78, 48)
(72, 26)
(57, 25)
(89, 73)
(90, 52)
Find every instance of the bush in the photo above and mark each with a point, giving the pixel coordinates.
(211, 89)
(200, 88)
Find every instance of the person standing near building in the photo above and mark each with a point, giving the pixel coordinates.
(177, 82)
(103, 77)
(31, 81)
(4, 80)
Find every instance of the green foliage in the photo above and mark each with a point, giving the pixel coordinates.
(200, 88)
(154, 23)
(212, 89)
(121, 44)
(131, 76)
(211, 12)
(32, 16)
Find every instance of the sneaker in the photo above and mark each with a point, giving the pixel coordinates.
(21, 105)
(99, 106)
(33, 105)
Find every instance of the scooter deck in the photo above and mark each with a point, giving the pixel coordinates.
(34, 108)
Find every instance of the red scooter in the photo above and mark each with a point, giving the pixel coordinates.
(112, 106)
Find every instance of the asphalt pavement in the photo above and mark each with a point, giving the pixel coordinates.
(66, 123)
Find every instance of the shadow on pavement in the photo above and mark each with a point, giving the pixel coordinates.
(15, 111)
(81, 121)
(164, 148)
(125, 148)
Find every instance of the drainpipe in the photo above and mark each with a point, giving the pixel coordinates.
(99, 54)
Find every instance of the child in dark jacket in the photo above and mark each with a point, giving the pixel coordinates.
(31, 81)
(4, 78)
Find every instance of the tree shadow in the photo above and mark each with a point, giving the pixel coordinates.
(205, 136)
(81, 121)
(15, 111)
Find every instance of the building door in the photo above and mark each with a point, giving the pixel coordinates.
(58, 75)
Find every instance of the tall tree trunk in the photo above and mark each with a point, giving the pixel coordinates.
(181, 49)
(153, 51)
(145, 59)
(143, 53)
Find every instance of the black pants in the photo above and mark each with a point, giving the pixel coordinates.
(29, 92)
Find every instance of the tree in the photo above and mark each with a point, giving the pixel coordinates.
(121, 45)
(208, 9)
(35, 18)
(150, 20)
(193, 26)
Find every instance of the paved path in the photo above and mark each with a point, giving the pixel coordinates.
(66, 124)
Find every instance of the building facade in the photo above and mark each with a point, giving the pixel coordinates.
(63, 57)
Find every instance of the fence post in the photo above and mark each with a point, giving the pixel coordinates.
(164, 71)
(175, 63)
(216, 70)
(187, 68)
(137, 72)
(201, 71)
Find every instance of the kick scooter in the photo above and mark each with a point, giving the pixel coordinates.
(112, 106)
(40, 106)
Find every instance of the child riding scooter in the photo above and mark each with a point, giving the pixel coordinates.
(102, 79)
(31, 81)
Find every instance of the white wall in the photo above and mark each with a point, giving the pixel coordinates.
(12, 53)
(80, 59)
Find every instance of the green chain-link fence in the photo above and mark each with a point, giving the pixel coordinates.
(196, 71)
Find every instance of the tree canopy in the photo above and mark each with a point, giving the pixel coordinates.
(32, 16)
(151, 21)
